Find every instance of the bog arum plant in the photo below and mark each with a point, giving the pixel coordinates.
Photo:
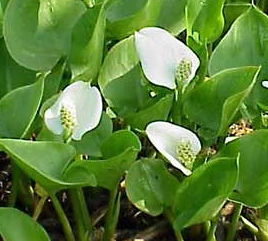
(165, 60)
(77, 110)
(177, 144)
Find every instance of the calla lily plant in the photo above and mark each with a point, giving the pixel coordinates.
(165, 60)
(177, 144)
(77, 110)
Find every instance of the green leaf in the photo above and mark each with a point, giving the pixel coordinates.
(172, 16)
(1, 20)
(12, 75)
(18, 109)
(87, 44)
(16, 225)
(214, 103)
(45, 162)
(118, 142)
(232, 11)
(150, 187)
(127, 92)
(247, 41)
(91, 142)
(119, 61)
(205, 19)
(119, 79)
(53, 79)
(107, 172)
(252, 151)
(158, 111)
(126, 16)
(201, 196)
(38, 33)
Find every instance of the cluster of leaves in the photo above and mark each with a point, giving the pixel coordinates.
(46, 45)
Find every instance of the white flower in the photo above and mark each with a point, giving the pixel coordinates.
(77, 110)
(165, 59)
(179, 145)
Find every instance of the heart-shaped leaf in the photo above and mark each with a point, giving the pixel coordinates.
(172, 16)
(46, 162)
(126, 16)
(16, 225)
(221, 97)
(87, 44)
(38, 33)
(205, 19)
(91, 142)
(249, 48)
(150, 187)
(18, 109)
(127, 92)
(107, 172)
(118, 142)
(252, 151)
(201, 195)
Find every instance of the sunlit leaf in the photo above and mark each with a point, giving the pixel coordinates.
(150, 187)
(18, 109)
(25, 227)
(201, 196)
(46, 162)
(245, 44)
(38, 33)
(126, 16)
(252, 152)
(221, 97)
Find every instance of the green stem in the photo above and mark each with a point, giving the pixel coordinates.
(212, 229)
(233, 225)
(112, 215)
(16, 173)
(39, 207)
(177, 232)
(177, 108)
(81, 215)
(63, 219)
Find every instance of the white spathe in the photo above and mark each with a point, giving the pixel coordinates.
(83, 102)
(166, 137)
(160, 54)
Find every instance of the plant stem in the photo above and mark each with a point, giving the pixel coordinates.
(39, 207)
(233, 225)
(177, 108)
(63, 219)
(81, 215)
(212, 229)
(112, 215)
(177, 232)
(16, 173)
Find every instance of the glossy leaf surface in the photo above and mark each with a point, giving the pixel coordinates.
(201, 195)
(252, 151)
(18, 109)
(150, 187)
(25, 227)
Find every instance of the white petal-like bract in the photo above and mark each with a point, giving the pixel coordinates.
(83, 102)
(166, 137)
(160, 54)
